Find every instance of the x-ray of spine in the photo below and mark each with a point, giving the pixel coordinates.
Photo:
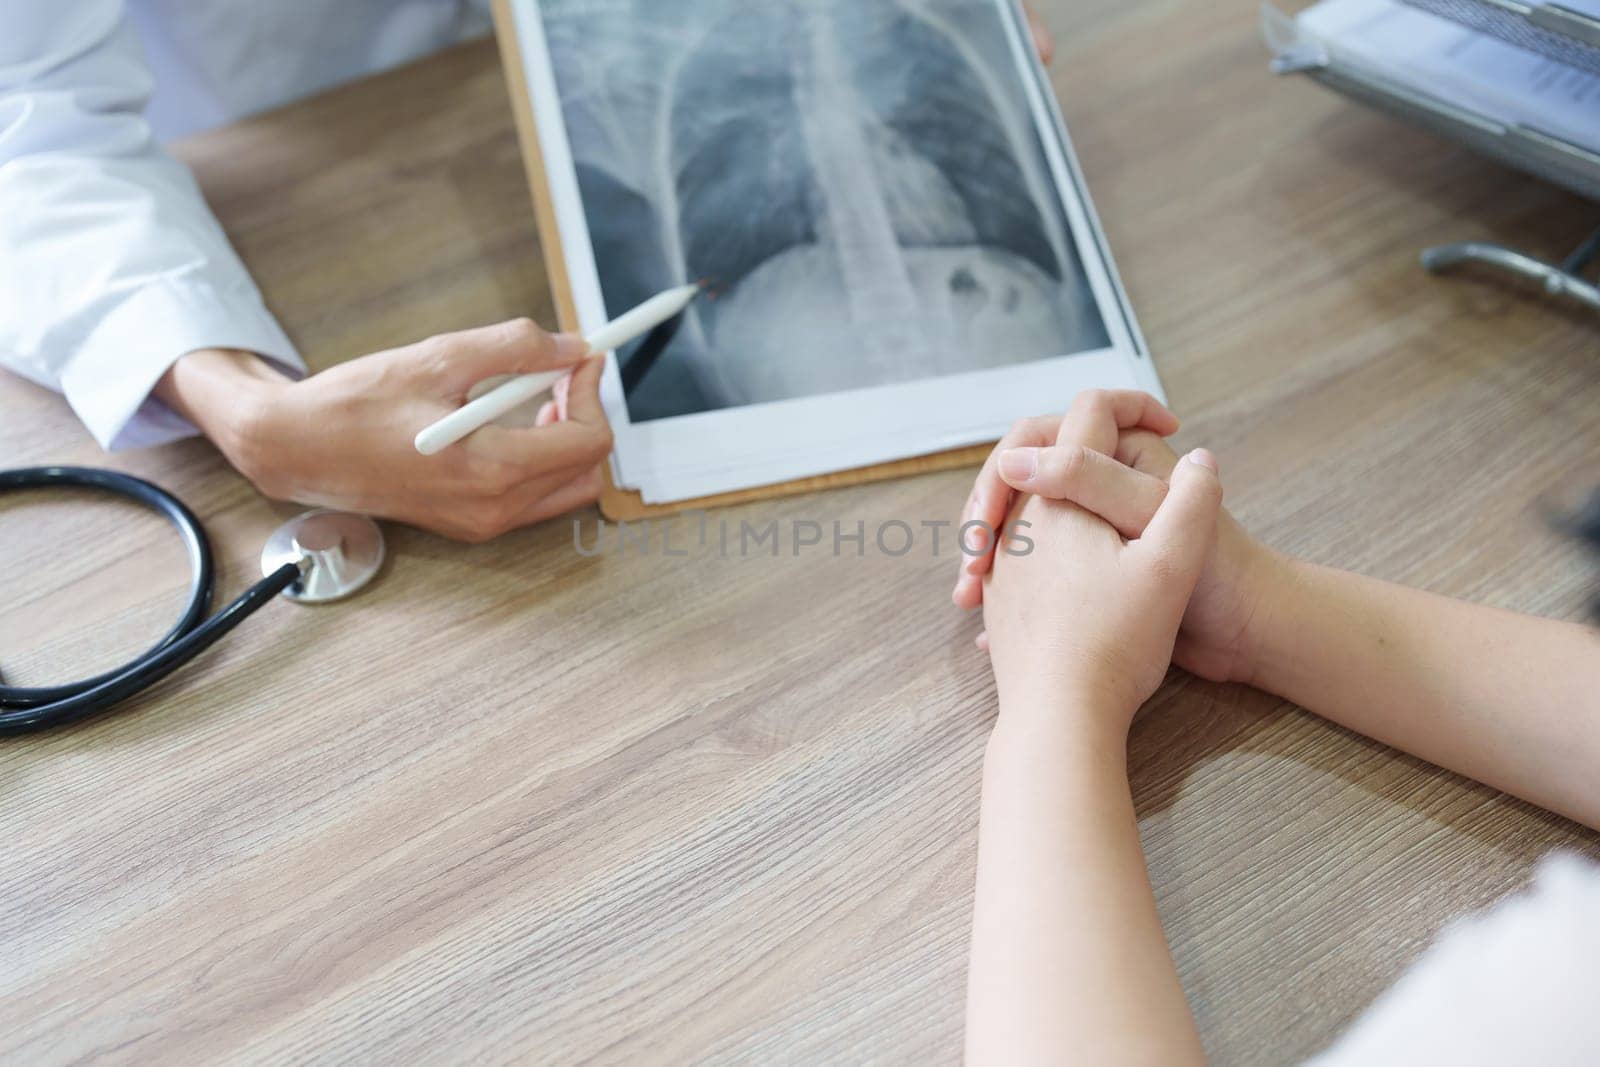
(861, 181)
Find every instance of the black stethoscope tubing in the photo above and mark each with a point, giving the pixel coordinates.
(28, 709)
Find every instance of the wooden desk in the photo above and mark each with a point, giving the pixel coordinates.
(515, 803)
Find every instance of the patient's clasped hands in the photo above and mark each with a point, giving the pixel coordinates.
(1135, 564)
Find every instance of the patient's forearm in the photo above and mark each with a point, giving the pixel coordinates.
(1069, 963)
(1507, 699)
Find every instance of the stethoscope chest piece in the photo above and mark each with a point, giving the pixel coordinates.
(338, 554)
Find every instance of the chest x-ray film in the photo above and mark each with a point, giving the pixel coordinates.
(879, 198)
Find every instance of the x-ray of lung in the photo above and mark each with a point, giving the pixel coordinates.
(861, 182)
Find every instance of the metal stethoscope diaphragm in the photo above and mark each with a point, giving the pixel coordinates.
(316, 558)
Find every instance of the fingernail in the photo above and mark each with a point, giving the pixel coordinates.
(1019, 464)
(1203, 458)
(570, 347)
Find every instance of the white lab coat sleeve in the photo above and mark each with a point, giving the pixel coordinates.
(111, 265)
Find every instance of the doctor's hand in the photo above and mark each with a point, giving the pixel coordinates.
(343, 438)
(1043, 39)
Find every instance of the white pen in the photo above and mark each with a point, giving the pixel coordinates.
(519, 390)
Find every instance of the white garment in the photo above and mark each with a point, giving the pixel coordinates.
(1517, 984)
(111, 265)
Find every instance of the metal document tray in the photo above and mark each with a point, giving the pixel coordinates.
(1540, 154)
(1553, 30)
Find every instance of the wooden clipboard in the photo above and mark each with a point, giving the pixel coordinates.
(623, 505)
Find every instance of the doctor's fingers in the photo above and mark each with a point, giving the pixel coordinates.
(1124, 497)
(579, 492)
(479, 520)
(1043, 39)
(503, 457)
(463, 359)
(1098, 418)
(533, 461)
(578, 398)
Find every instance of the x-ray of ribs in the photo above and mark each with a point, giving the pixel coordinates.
(861, 180)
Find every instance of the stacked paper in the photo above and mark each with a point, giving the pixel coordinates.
(1483, 75)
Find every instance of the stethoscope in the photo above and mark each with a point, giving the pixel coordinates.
(318, 557)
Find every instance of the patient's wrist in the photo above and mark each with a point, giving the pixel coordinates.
(1276, 625)
(1088, 731)
(1050, 708)
(1264, 582)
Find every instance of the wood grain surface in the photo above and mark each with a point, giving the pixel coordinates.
(519, 804)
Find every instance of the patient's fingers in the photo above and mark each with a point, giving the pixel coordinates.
(1147, 452)
(1097, 420)
(990, 503)
(1120, 495)
(1099, 416)
(1178, 541)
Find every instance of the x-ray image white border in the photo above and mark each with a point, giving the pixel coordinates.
(738, 447)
